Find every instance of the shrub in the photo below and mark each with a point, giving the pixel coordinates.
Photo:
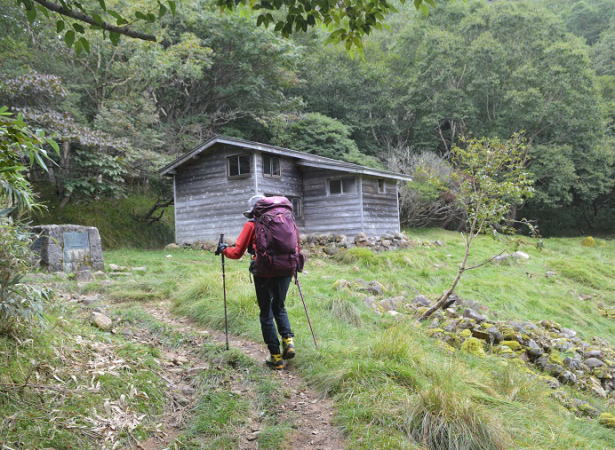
(19, 303)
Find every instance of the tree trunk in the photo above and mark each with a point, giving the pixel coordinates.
(64, 171)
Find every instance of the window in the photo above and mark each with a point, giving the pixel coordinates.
(297, 207)
(238, 165)
(344, 185)
(381, 186)
(335, 186)
(271, 166)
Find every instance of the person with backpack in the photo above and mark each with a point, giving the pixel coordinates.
(272, 238)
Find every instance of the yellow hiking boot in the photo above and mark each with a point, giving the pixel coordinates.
(288, 348)
(275, 361)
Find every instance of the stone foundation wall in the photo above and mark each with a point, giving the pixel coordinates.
(330, 244)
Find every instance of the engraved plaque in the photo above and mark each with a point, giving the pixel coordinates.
(76, 240)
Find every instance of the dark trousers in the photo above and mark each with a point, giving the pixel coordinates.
(271, 294)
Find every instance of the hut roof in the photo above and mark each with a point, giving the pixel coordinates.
(303, 158)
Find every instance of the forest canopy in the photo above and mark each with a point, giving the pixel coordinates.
(424, 82)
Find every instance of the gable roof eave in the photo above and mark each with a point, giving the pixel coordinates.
(306, 159)
(361, 170)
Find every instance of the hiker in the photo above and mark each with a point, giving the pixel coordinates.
(270, 235)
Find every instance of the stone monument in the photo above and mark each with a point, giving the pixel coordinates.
(68, 248)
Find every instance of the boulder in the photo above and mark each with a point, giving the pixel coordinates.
(520, 255)
(375, 287)
(567, 333)
(392, 303)
(593, 354)
(533, 349)
(471, 314)
(480, 334)
(584, 408)
(421, 300)
(572, 363)
(171, 246)
(596, 387)
(593, 363)
(361, 240)
(101, 321)
(513, 345)
(494, 335)
(501, 258)
(567, 377)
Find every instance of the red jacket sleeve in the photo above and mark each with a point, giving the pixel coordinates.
(246, 238)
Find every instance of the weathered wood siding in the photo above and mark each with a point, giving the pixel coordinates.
(329, 213)
(380, 210)
(207, 202)
(289, 183)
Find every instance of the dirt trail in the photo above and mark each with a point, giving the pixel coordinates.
(311, 411)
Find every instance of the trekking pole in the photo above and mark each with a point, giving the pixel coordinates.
(224, 289)
(306, 310)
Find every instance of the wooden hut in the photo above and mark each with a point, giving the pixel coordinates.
(213, 182)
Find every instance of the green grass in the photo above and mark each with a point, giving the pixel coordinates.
(393, 386)
(117, 220)
(60, 355)
(221, 412)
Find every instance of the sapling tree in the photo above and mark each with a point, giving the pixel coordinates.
(492, 180)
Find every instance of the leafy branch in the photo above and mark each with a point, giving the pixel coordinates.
(493, 180)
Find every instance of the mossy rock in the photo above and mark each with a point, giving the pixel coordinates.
(473, 346)
(466, 333)
(513, 345)
(556, 358)
(585, 409)
(607, 419)
(602, 372)
(435, 331)
(588, 241)
(508, 332)
(503, 350)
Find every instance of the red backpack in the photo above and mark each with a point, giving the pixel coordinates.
(277, 239)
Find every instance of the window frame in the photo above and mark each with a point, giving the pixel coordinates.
(341, 180)
(383, 189)
(238, 156)
(298, 212)
(271, 158)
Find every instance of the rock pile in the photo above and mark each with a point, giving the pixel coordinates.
(558, 354)
(331, 243)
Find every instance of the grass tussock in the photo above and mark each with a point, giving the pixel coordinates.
(345, 311)
(443, 417)
(357, 255)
